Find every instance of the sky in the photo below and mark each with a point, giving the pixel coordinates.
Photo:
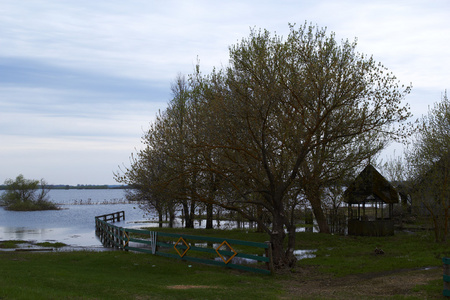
(80, 81)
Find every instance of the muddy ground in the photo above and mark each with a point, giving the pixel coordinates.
(307, 283)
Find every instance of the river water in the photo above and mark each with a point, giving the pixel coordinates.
(74, 223)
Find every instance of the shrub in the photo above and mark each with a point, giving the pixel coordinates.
(26, 194)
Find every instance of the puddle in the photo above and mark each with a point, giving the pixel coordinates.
(302, 254)
(239, 260)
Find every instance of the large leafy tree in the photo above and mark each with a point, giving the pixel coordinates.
(280, 106)
(429, 162)
(284, 119)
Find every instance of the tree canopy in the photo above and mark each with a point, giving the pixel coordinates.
(429, 165)
(26, 194)
(283, 120)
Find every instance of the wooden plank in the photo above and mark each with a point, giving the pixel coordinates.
(258, 258)
(214, 239)
(144, 250)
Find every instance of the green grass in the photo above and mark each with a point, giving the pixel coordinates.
(122, 275)
(431, 289)
(51, 244)
(31, 205)
(11, 244)
(344, 255)
(126, 275)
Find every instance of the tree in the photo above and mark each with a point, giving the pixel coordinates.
(176, 133)
(285, 119)
(276, 106)
(158, 173)
(26, 194)
(429, 161)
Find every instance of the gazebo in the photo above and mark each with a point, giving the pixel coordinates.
(370, 199)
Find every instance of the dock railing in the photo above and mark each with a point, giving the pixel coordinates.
(230, 253)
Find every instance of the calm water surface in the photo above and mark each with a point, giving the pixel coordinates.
(74, 224)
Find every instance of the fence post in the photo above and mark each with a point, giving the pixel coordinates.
(269, 264)
(116, 237)
(446, 276)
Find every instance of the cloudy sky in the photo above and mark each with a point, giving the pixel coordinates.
(81, 80)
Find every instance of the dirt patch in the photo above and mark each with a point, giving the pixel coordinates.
(308, 283)
(185, 287)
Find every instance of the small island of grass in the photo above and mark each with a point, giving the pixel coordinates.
(26, 195)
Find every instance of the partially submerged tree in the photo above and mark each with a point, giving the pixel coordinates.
(26, 194)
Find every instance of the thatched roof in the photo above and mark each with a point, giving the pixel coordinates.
(370, 186)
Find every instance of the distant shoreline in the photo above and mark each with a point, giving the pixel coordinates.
(79, 187)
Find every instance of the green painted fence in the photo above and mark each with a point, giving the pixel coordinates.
(230, 253)
(446, 277)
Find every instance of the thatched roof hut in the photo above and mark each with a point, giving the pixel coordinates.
(370, 187)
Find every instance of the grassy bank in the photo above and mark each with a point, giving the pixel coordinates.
(342, 264)
(121, 275)
(30, 205)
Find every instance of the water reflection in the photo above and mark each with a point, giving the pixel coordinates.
(22, 233)
(73, 225)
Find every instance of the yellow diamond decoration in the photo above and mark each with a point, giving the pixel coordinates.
(128, 239)
(226, 261)
(186, 244)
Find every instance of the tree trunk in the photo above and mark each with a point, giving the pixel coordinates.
(189, 223)
(209, 216)
(192, 213)
(160, 218)
(291, 246)
(171, 216)
(313, 195)
(282, 258)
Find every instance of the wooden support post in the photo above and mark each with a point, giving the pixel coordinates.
(376, 209)
(269, 264)
(446, 276)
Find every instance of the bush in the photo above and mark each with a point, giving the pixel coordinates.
(26, 195)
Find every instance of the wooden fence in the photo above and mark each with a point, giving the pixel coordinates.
(446, 276)
(112, 217)
(208, 250)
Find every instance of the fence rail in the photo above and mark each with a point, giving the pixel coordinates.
(112, 217)
(229, 253)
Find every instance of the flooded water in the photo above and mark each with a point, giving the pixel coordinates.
(74, 224)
